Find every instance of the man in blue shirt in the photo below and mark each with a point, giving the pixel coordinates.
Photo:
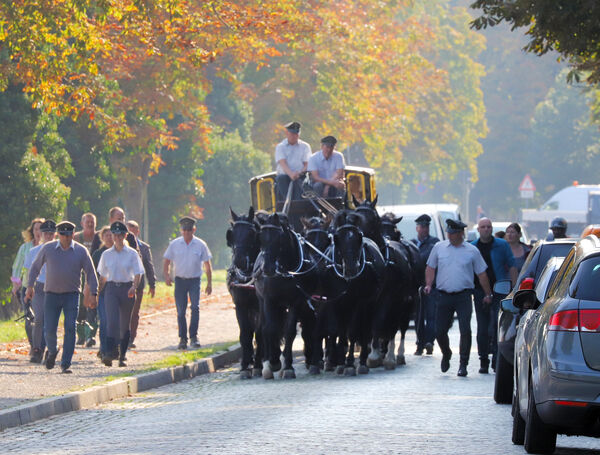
(501, 266)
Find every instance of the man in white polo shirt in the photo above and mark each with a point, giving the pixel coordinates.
(291, 156)
(188, 254)
(326, 169)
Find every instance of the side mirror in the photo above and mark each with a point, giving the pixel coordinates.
(526, 299)
(502, 287)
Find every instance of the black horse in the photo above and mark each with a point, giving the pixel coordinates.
(242, 238)
(395, 307)
(358, 269)
(282, 303)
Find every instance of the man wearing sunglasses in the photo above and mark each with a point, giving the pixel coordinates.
(65, 260)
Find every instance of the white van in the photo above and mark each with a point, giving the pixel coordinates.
(439, 213)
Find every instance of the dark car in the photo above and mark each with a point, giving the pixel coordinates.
(509, 315)
(557, 355)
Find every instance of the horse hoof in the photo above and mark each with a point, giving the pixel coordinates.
(349, 371)
(267, 373)
(256, 372)
(289, 374)
(374, 362)
(400, 360)
(363, 369)
(245, 374)
(329, 366)
(389, 365)
(314, 370)
(321, 364)
(340, 369)
(276, 366)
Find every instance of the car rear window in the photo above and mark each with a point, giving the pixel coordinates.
(551, 250)
(585, 283)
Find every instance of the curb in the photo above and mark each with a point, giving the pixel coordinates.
(119, 388)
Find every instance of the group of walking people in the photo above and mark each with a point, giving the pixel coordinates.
(460, 276)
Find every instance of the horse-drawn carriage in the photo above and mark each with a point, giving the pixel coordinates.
(360, 184)
(328, 263)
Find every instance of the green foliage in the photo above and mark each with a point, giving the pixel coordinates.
(226, 174)
(30, 188)
(564, 144)
(570, 27)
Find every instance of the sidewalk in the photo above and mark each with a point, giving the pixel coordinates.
(157, 338)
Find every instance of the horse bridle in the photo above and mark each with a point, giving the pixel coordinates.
(297, 237)
(363, 259)
(240, 274)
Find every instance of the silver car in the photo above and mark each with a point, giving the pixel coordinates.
(557, 354)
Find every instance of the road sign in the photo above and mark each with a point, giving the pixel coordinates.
(527, 184)
(527, 194)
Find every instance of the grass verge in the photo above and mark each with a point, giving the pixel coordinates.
(171, 361)
(11, 331)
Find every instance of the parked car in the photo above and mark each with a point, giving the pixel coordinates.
(509, 316)
(439, 213)
(557, 355)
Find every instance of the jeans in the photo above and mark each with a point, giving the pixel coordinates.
(447, 304)
(54, 303)
(103, 323)
(183, 288)
(37, 303)
(425, 324)
(318, 187)
(282, 183)
(487, 326)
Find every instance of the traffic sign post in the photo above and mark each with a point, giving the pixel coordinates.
(527, 188)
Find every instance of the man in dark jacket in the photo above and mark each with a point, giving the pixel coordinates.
(426, 314)
(146, 254)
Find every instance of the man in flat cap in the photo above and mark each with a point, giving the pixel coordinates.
(426, 316)
(326, 169)
(291, 156)
(185, 256)
(453, 264)
(120, 270)
(48, 229)
(64, 259)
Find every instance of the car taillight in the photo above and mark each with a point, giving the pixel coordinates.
(527, 283)
(564, 321)
(589, 320)
(576, 320)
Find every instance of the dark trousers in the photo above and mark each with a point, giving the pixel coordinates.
(118, 315)
(37, 304)
(185, 287)
(487, 326)
(282, 183)
(319, 187)
(28, 323)
(135, 313)
(54, 303)
(425, 324)
(103, 323)
(447, 305)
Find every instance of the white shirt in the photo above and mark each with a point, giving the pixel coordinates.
(187, 258)
(120, 266)
(295, 155)
(326, 167)
(30, 257)
(456, 265)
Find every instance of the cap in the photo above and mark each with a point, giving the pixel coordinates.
(423, 220)
(329, 140)
(453, 226)
(187, 223)
(65, 227)
(558, 223)
(48, 226)
(118, 228)
(293, 127)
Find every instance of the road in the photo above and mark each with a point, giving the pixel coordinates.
(415, 409)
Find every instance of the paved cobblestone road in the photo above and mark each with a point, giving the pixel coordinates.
(413, 410)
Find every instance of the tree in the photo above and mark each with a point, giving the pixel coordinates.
(29, 188)
(570, 27)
